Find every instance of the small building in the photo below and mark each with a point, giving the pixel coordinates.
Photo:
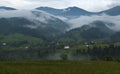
(66, 47)
(4, 44)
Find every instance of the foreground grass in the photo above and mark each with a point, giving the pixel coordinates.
(60, 67)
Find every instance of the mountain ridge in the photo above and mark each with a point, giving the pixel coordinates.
(76, 11)
(112, 11)
(67, 12)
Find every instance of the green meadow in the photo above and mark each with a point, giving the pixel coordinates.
(59, 67)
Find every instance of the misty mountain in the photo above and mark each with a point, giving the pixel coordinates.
(6, 8)
(37, 23)
(103, 26)
(96, 30)
(67, 12)
(113, 11)
(31, 23)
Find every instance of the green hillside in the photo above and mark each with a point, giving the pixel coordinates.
(17, 40)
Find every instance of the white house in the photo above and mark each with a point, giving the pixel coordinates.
(66, 47)
(4, 44)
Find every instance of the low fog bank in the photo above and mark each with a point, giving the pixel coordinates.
(83, 20)
(32, 15)
(35, 16)
(57, 56)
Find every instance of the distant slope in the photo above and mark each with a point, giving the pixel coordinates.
(115, 37)
(113, 11)
(6, 8)
(32, 23)
(18, 40)
(96, 30)
(68, 12)
(75, 11)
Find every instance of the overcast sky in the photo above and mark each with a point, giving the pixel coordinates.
(90, 5)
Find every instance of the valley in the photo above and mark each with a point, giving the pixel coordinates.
(44, 32)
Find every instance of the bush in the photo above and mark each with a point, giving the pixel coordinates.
(64, 56)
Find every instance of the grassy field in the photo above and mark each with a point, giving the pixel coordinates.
(60, 67)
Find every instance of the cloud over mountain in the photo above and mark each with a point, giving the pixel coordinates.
(90, 5)
(83, 20)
